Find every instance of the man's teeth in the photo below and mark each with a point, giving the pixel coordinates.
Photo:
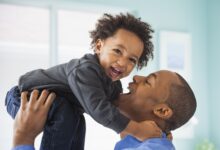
(127, 92)
(130, 89)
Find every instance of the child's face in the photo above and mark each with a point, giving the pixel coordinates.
(147, 91)
(119, 54)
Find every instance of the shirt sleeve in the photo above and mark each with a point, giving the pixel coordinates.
(24, 147)
(86, 82)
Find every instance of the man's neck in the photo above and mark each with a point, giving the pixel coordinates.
(125, 109)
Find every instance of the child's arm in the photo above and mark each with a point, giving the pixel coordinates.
(94, 91)
(142, 130)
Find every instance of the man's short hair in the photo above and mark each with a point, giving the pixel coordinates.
(183, 103)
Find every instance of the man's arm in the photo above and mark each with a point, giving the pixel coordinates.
(31, 117)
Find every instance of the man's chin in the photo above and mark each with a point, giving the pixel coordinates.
(124, 96)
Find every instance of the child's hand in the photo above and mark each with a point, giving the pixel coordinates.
(170, 136)
(142, 130)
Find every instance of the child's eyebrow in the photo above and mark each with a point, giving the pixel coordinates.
(121, 46)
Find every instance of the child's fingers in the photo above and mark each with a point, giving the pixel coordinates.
(160, 133)
(170, 136)
(157, 133)
(157, 129)
(23, 99)
(50, 100)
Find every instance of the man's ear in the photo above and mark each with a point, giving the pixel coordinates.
(98, 46)
(163, 111)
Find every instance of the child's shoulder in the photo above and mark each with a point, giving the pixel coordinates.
(88, 63)
(85, 60)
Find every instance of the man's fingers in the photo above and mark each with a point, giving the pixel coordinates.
(50, 100)
(23, 99)
(34, 96)
(43, 97)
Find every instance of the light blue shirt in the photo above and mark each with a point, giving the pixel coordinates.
(24, 147)
(131, 143)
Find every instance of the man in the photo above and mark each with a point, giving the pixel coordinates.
(164, 97)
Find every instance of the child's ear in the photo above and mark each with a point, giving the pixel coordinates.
(163, 111)
(98, 46)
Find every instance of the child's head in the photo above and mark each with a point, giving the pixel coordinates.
(122, 42)
(163, 96)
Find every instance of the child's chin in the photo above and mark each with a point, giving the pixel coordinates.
(115, 79)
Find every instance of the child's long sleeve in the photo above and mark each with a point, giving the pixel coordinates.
(95, 91)
(88, 84)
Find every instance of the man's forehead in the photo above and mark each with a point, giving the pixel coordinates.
(167, 75)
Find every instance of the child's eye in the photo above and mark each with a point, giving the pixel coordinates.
(134, 61)
(117, 51)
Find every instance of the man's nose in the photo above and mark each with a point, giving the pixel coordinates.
(137, 78)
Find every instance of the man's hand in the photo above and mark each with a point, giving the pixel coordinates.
(31, 117)
(142, 130)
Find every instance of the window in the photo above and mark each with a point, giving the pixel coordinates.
(73, 39)
(24, 46)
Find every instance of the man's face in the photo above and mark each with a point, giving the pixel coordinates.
(119, 54)
(146, 92)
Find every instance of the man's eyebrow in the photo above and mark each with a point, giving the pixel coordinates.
(154, 75)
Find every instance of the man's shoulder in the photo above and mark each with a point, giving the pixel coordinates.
(131, 143)
(24, 147)
(158, 143)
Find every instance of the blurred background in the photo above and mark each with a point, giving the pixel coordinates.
(42, 33)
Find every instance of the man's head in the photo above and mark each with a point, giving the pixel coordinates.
(163, 96)
(122, 42)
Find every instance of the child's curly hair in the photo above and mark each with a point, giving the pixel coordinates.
(109, 24)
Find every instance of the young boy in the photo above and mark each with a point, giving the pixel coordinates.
(164, 97)
(91, 83)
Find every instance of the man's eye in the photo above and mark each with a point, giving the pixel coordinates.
(147, 82)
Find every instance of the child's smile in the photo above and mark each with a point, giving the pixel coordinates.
(119, 54)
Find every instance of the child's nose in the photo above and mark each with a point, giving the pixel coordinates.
(122, 62)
